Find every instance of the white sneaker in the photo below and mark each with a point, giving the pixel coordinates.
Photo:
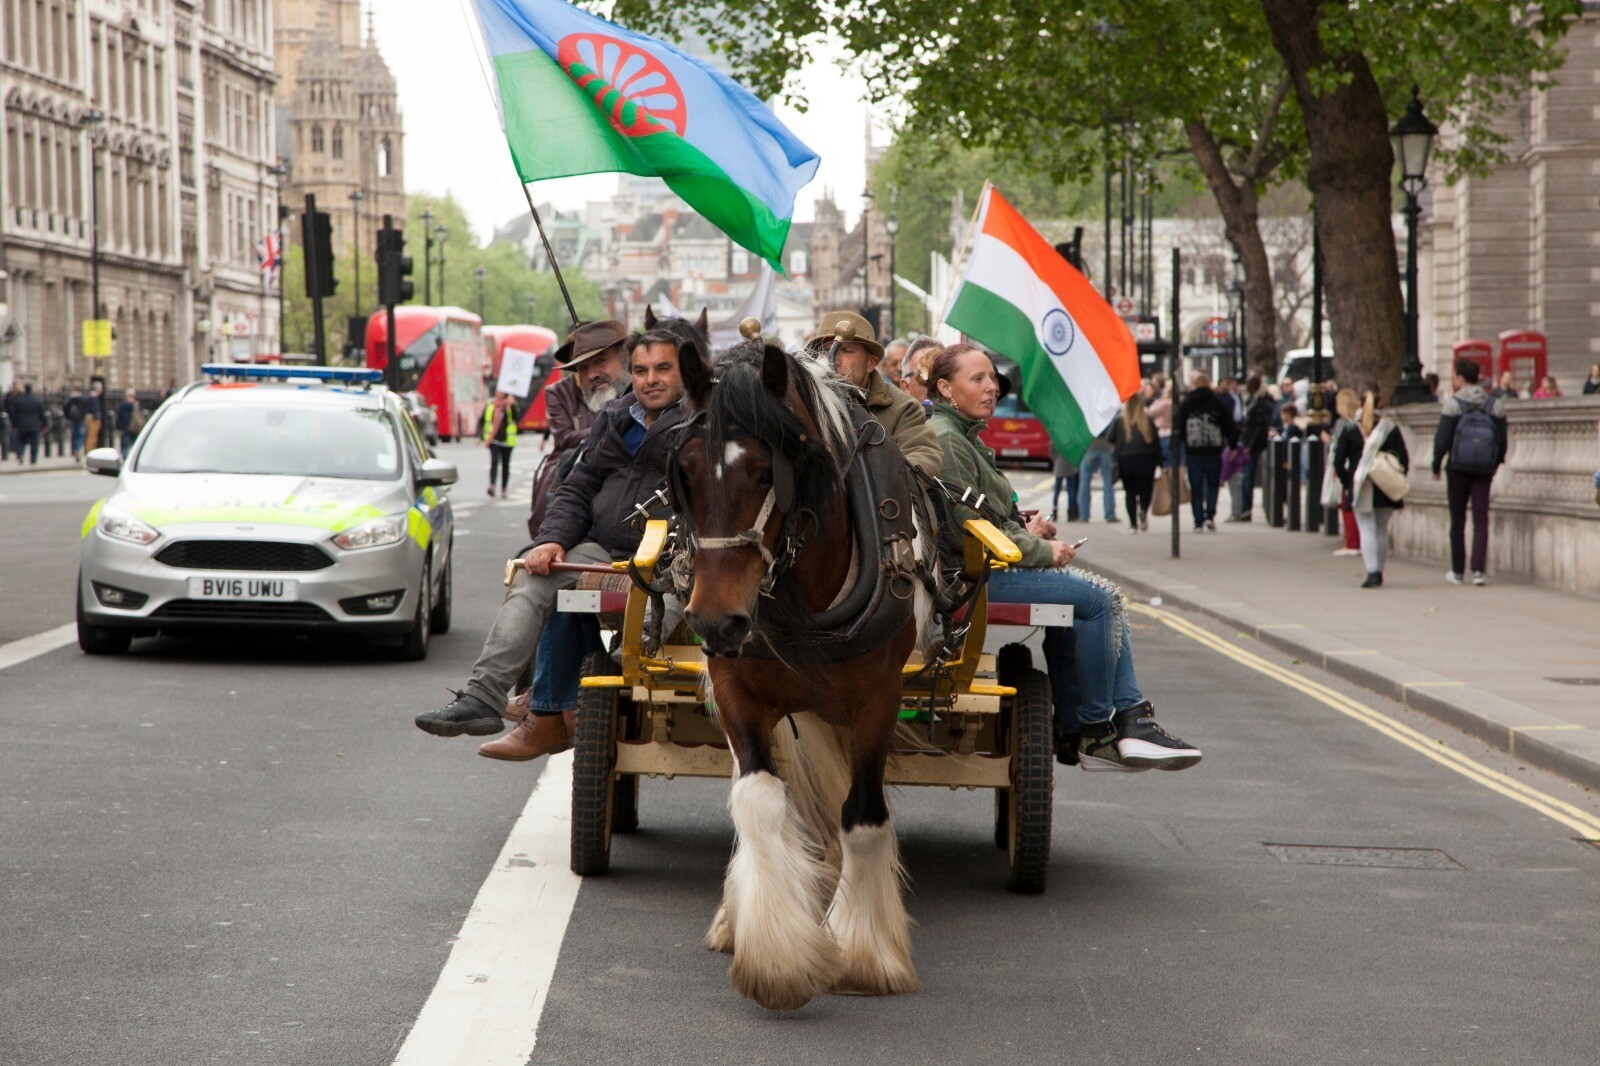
(1133, 531)
(1453, 577)
(1478, 578)
(1346, 552)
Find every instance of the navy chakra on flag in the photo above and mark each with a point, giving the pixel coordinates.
(1058, 331)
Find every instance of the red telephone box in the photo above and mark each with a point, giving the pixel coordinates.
(1523, 352)
(1480, 352)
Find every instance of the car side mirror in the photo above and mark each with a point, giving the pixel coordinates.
(437, 472)
(107, 461)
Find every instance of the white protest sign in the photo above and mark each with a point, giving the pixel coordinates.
(516, 372)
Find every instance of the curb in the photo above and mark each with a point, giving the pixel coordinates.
(1532, 736)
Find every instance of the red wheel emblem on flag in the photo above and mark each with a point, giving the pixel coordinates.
(632, 88)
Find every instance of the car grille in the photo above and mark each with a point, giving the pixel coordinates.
(243, 555)
(239, 611)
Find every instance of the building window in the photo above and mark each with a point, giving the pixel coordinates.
(383, 158)
(338, 142)
(316, 139)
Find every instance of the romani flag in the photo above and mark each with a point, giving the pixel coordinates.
(580, 95)
(1018, 296)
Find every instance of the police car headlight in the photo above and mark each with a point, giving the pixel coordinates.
(373, 534)
(123, 526)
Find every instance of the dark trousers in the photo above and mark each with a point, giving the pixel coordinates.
(28, 443)
(1137, 488)
(1070, 486)
(1462, 489)
(1205, 479)
(499, 460)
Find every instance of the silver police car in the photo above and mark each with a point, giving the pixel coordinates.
(296, 498)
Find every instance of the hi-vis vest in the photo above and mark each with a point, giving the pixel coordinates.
(511, 424)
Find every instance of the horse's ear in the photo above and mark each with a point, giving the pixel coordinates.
(697, 379)
(649, 318)
(775, 370)
(702, 324)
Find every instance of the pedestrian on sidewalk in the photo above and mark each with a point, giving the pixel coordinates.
(1254, 433)
(1507, 388)
(1098, 457)
(27, 421)
(1066, 480)
(1137, 449)
(1472, 434)
(1548, 389)
(8, 422)
(1234, 458)
(1591, 384)
(74, 410)
(94, 413)
(1348, 444)
(1378, 487)
(500, 434)
(129, 421)
(1158, 405)
(1205, 425)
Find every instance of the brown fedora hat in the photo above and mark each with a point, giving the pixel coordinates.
(855, 330)
(589, 339)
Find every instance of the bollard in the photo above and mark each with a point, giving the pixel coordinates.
(1296, 452)
(1278, 451)
(1314, 476)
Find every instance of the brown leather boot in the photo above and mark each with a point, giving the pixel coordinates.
(536, 735)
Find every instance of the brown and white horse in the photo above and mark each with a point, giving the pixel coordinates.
(759, 483)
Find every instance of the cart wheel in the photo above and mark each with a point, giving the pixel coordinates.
(594, 756)
(1032, 793)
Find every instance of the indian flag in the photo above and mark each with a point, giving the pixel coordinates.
(1018, 296)
(580, 95)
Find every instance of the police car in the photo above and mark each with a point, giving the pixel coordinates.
(291, 498)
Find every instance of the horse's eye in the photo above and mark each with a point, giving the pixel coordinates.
(764, 478)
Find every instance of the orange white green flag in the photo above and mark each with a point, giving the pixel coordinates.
(1018, 296)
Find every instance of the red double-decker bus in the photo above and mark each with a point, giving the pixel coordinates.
(440, 352)
(541, 343)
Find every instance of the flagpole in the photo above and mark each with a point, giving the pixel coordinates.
(549, 252)
(961, 255)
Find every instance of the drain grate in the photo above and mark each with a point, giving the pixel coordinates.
(1575, 680)
(1389, 858)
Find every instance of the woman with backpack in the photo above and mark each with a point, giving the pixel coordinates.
(1472, 434)
(1378, 488)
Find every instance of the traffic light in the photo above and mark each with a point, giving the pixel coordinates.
(394, 266)
(316, 233)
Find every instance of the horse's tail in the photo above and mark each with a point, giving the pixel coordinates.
(817, 770)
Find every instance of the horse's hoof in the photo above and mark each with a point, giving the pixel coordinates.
(774, 993)
(720, 936)
(786, 980)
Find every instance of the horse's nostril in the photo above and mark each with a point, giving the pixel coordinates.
(735, 628)
(722, 636)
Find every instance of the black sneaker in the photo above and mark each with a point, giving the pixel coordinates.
(1067, 749)
(1098, 751)
(1143, 744)
(465, 714)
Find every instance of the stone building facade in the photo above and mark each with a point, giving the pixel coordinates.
(339, 127)
(1519, 248)
(157, 111)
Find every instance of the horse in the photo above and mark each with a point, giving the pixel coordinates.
(798, 600)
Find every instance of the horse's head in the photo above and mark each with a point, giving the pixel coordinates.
(755, 476)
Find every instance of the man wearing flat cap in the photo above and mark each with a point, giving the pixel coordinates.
(856, 358)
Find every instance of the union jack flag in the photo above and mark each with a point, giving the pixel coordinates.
(269, 254)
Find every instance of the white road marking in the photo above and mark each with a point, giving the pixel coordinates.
(485, 1008)
(20, 651)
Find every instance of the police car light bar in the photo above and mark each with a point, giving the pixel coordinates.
(345, 375)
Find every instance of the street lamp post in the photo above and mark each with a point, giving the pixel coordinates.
(480, 274)
(1413, 143)
(355, 209)
(93, 117)
(1235, 298)
(866, 249)
(427, 257)
(892, 226)
(440, 233)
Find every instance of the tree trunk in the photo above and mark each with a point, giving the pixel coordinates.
(1241, 217)
(1351, 160)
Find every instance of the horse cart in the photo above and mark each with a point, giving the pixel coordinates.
(975, 719)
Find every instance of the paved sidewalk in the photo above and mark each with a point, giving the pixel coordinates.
(1481, 659)
(9, 464)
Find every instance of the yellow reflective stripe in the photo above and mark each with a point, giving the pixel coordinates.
(418, 526)
(91, 518)
(331, 515)
(430, 496)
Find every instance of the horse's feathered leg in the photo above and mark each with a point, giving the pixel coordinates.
(782, 954)
(868, 916)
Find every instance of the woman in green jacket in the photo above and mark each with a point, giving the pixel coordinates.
(1114, 723)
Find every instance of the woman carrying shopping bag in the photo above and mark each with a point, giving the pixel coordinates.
(1379, 488)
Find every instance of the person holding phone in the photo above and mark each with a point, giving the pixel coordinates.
(1113, 727)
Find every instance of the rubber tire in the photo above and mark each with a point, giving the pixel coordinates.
(414, 645)
(1031, 798)
(100, 640)
(440, 622)
(593, 759)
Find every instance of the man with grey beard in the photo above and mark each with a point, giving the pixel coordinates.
(592, 375)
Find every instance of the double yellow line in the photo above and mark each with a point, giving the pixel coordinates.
(1586, 825)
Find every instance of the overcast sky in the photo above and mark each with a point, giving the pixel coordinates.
(453, 141)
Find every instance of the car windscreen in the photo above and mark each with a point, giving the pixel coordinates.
(272, 439)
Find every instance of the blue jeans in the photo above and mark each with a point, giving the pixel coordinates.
(1103, 676)
(1096, 459)
(80, 434)
(558, 663)
(1069, 485)
(1247, 486)
(1205, 478)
